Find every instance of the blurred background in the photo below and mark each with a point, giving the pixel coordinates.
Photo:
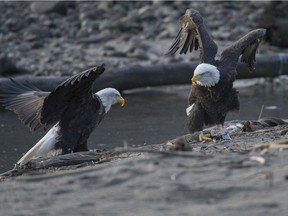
(64, 38)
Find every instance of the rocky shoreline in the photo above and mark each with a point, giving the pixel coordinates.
(64, 38)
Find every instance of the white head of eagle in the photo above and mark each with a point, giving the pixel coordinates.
(110, 96)
(206, 75)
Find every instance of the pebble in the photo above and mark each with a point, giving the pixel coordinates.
(49, 6)
(8, 68)
(93, 39)
(139, 54)
(118, 54)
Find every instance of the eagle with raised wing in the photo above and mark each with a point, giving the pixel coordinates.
(72, 108)
(212, 94)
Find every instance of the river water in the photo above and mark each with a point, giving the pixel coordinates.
(150, 115)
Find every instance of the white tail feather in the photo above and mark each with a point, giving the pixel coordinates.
(44, 147)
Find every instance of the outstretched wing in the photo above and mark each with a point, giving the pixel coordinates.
(246, 46)
(25, 100)
(73, 90)
(193, 35)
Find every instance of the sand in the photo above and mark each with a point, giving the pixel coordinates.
(245, 176)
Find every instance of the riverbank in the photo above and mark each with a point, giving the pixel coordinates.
(246, 176)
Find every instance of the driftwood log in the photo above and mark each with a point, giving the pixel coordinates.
(164, 74)
(82, 159)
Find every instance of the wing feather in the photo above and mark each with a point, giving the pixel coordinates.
(249, 54)
(192, 36)
(25, 100)
(76, 88)
(35, 108)
(188, 42)
(174, 46)
(246, 46)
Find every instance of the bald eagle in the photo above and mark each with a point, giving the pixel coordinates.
(72, 107)
(212, 94)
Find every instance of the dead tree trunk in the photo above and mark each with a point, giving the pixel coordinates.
(164, 74)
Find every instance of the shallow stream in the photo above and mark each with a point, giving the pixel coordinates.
(150, 116)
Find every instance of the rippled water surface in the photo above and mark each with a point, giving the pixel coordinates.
(150, 115)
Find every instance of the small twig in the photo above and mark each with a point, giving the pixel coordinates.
(261, 111)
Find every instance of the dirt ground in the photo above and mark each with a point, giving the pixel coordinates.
(245, 176)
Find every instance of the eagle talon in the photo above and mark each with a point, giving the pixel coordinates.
(206, 137)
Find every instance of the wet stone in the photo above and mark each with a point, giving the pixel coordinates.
(34, 34)
(7, 67)
(93, 39)
(49, 6)
(119, 54)
(139, 54)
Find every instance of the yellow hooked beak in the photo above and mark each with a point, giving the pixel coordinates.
(194, 80)
(121, 101)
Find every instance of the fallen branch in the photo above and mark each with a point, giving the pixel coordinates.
(78, 159)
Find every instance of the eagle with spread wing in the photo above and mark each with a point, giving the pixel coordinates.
(212, 94)
(72, 108)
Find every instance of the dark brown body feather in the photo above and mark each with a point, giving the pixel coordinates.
(211, 104)
(72, 105)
